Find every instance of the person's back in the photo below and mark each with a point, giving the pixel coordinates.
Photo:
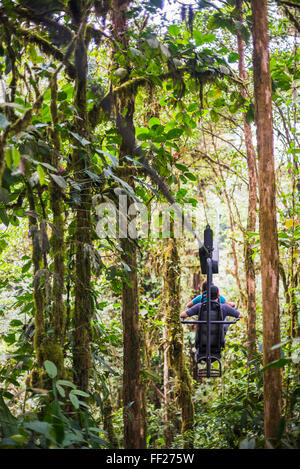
(216, 330)
(224, 310)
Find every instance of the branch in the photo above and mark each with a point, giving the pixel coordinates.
(223, 165)
(288, 3)
(226, 141)
(65, 33)
(131, 86)
(45, 46)
(291, 17)
(20, 124)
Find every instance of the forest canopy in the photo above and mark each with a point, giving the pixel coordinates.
(127, 128)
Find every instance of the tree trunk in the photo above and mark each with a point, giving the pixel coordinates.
(167, 414)
(252, 203)
(83, 301)
(108, 423)
(176, 357)
(58, 311)
(133, 413)
(267, 217)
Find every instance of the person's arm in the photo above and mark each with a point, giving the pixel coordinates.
(190, 311)
(230, 311)
(223, 301)
(195, 301)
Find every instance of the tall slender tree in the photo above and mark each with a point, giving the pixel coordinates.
(267, 216)
(252, 200)
(174, 339)
(133, 413)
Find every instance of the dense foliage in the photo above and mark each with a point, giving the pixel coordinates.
(144, 100)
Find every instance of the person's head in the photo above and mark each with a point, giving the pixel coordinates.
(214, 292)
(204, 286)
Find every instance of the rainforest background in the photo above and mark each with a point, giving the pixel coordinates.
(189, 104)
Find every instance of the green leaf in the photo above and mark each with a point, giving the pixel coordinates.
(250, 114)
(19, 439)
(26, 267)
(80, 139)
(63, 382)
(174, 133)
(152, 42)
(174, 30)
(8, 421)
(214, 116)
(39, 427)
(157, 3)
(153, 121)
(3, 121)
(181, 167)
(203, 38)
(62, 96)
(32, 53)
(60, 181)
(41, 174)
(50, 368)
(3, 216)
(190, 176)
(61, 390)
(16, 156)
(276, 364)
(9, 158)
(4, 196)
(149, 374)
(74, 400)
(233, 57)
(78, 392)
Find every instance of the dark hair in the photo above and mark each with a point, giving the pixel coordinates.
(204, 286)
(214, 291)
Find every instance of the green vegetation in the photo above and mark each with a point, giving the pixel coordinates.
(109, 103)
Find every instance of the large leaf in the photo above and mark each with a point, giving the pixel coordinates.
(8, 421)
(60, 181)
(50, 368)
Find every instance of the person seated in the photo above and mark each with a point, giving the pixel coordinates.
(226, 309)
(200, 298)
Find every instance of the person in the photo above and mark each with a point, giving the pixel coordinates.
(226, 309)
(200, 298)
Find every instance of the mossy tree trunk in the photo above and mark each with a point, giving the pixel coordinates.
(108, 423)
(133, 413)
(58, 312)
(168, 434)
(82, 236)
(174, 339)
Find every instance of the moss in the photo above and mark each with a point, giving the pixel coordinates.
(176, 357)
(53, 352)
(37, 379)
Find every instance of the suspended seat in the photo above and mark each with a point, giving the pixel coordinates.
(209, 351)
(217, 339)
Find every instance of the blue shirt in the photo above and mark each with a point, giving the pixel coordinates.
(198, 299)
